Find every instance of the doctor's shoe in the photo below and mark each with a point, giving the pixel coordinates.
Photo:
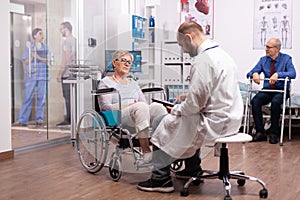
(184, 174)
(152, 185)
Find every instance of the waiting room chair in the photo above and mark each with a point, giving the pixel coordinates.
(252, 90)
(224, 174)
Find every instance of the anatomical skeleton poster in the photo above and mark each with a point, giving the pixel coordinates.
(272, 18)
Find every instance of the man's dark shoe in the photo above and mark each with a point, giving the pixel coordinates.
(259, 137)
(156, 186)
(273, 139)
(184, 174)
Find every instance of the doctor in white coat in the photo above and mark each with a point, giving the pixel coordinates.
(212, 108)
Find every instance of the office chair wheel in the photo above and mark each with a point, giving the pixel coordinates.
(197, 182)
(241, 182)
(184, 192)
(176, 165)
(227, 197)
(115, 168)
(263, 193)
(91, 142)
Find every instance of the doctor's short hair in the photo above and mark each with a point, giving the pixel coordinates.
(189, 27)
(35, 31)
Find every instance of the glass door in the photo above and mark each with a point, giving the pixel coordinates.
(38, 104)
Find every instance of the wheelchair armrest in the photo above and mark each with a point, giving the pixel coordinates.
(152, 89)
(103, 91)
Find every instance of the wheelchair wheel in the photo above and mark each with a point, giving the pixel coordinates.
(91, 141)
(115, 170)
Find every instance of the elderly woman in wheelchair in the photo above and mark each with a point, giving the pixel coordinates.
(123, 107)
(135, 110)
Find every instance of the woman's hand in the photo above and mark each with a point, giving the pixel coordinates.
(129, 104)
(169, 108)
(180, 98)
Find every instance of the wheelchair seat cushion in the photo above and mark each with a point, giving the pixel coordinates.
(111, 117)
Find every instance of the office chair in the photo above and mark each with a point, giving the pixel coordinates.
(224, 174)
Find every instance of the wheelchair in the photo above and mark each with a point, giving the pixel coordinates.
(97, 131)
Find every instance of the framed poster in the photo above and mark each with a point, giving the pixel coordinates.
(272, 19)
(200, 11)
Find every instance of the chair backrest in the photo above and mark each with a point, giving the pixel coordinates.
(111, 117)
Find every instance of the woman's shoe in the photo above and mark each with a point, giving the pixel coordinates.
(147, 158)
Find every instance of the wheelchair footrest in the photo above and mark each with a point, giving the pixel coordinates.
(124, 143)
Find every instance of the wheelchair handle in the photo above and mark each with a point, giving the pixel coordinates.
(103, 91)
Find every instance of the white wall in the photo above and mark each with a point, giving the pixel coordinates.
(233, 29)
(233, 23)
(5, 105)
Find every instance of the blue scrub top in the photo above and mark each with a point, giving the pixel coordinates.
(40, 71)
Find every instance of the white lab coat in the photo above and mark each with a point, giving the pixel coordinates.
(213, 107)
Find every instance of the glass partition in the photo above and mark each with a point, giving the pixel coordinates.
(37, 53)
(43, 113)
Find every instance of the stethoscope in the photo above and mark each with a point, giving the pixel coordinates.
(188, 78)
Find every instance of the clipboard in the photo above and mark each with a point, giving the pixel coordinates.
(165, 103)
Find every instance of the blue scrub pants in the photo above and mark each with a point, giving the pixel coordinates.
(29, 92)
